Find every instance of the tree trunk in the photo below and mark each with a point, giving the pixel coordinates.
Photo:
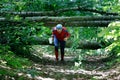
(75, 18)
(57, 12)
(98, 21)
(69, 43)
(79, 23)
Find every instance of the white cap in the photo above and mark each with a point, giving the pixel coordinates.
(59, 26)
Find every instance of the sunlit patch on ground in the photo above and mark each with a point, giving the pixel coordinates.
(66, 71)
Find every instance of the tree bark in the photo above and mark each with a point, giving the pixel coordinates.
(75, 18)
(79, 23)
(57, 12)
(98, 21)
(69, 43)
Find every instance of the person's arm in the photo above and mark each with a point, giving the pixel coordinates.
(67, 35)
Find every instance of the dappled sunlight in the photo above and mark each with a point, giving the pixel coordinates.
(53, 69)
(49, 67)
(52, 57)
(48, 52)
(116, 23)
(4, 67)
(88, 31)
(42, 78)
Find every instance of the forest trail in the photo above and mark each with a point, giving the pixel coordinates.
(64, 71)
(44, 67)
(92, 70)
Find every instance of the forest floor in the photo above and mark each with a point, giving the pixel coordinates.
(92, 69)
(44, 67)
(66, 71)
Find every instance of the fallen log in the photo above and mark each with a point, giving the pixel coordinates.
(73, 18)
(67, 21)
(69, 43)
(57, 12)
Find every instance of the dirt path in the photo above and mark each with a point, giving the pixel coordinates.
(48, 69)
(44, 67)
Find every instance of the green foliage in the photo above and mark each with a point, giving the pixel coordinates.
(4, 72)
(5, 6)
(17, 18)
(82, 34)
(9, 58)
(78, 61)
(5, 49)
(18, 37)
(53, 5)
(111, 34)
(14, 62)
(44, 32)
(20, 5)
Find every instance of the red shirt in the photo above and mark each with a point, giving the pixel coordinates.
(62, 35)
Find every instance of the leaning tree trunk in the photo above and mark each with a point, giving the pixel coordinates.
(98, 21)
(57, 12)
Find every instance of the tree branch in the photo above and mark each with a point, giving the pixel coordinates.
(97, 11)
